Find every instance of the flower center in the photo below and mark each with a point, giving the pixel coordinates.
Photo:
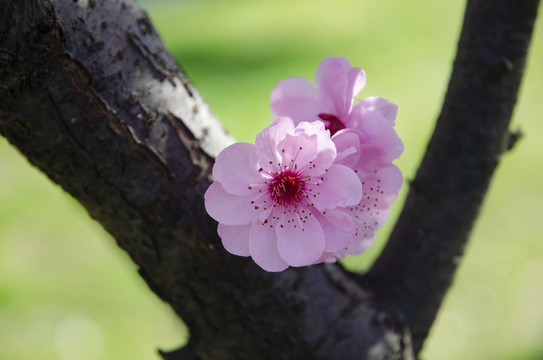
(287, 188)
(332, 123)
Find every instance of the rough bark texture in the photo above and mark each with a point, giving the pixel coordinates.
(89, 95)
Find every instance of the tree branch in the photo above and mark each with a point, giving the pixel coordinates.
(418, 263)
(90, 96)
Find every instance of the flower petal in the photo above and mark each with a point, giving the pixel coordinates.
(360, 245)
(266, 141)
(365, 234)
(329, 258)
(338, 227)
(326, 149)
(382, 106)
(296, 98)
(235, 238)
(297, 151)
(339, 83)
(300, 244)
(380, 139)
(347, 143)
(369, 221)
(340, 187)
(226, 208)
(380, 187)
(236, 168)
(263, 248)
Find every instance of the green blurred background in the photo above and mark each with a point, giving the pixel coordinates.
(67, 291)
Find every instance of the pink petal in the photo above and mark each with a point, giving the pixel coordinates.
(296, 98)
(360, 245)
(340, 187)
(235, 238)
(228, 209)
(297, 151)
(263, 248)
(300, 244)
(338, 227)
(380, 187)
(369, 221)
(236, 168)
(266, 141)
(339, 83)
(380, 138)
(382, 106)
(356, 80)
(326, 149)
(329, 258)
(347, 143)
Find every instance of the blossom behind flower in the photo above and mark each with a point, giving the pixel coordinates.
(331, 100)
(363, 133)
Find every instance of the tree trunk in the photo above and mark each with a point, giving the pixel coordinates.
(90, 96)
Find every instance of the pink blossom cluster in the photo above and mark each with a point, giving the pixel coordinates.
(318, 182)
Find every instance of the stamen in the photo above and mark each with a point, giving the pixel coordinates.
(287, 188)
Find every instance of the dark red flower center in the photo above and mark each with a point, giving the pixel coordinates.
(287, 188)
(332, 123)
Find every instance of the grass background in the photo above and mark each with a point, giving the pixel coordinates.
(67, 291)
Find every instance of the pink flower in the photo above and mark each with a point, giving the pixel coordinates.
(380, 188)
(363, 133)
(284, 200)
(332, 102)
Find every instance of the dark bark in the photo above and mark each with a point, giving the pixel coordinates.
(419, 261)
(89, 95)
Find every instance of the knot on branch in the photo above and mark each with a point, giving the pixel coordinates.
(500, 69)
(513, 138)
